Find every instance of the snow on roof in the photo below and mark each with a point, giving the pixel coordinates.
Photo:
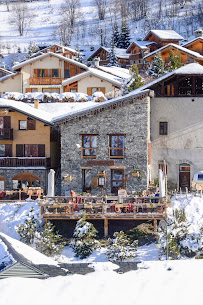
(57, 45)
(74, 62)
(96, 72)
(120, 53)
(8, 76)
(29, 253)
(191, 41)
(180, 48)
(193, 68)
(117, 71)
(141, 44)
(165, 34)
(26, 109)
(95, 106)
(5, 70)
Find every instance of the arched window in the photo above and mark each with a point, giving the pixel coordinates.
(22, 180)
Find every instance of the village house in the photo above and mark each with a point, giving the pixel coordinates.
(109, 138)
(195, 44)
(103, 54)
(58, 49)
(163, 37)
(28, 146)
(55, 73)
(176, 124)
(187, 56)
(4, 72)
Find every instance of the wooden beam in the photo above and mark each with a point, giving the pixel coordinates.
(106, 233)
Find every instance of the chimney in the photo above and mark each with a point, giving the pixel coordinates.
(96, 61)
(36, 104)
(199, 33)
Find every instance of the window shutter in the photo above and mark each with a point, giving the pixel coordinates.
(7, 122)
(31, 124)
(19, 150)
(89, 91)
(102, 89)
(41, 150)
(28, 89)
(8, 150)
(35, 72)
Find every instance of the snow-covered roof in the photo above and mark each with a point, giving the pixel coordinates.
(165, 34)
(27, 109)
(191, 41)
(96, 72)
(8, 76)
(74, 62)
(193, 68)
(95, 106)
(175, 46)
(57, 45)
(5, 70)
(117, 71)
(120, 53)
(141, 44)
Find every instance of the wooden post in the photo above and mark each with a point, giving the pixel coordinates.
(201, 193)
(20, 194)
(186, 191)
(155, 225)
(106, 233)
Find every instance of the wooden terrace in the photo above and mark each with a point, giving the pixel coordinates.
(106, 208)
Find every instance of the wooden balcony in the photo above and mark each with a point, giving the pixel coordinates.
(6, 134)
(152, 208)
(45, 80)
(24, 162)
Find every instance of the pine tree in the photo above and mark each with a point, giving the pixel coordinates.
(27, 231)
(124, 40)
(32, 48)
(175, 61)
(49, 242)
(120, 247)
(157, 66)
(84, 241)
(113, 60)
(136, 80)
(124, 87)
(116, 35)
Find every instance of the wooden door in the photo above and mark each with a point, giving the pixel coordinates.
(184, 176)
(117, 180)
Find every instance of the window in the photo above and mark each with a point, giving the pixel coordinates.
(23, 125)
(30, 124)
(30, 150)
(117, 180)
(163, 128)
(92, 90)
(161, 166)
(40, 73)
(5, 150)
(116, 146)
(51, 90)
(55, 73)
(89, 146)
(67, 73)
(73, 90)
(2, 150)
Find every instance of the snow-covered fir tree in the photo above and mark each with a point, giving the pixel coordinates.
(32, 48)
(113, 60)
(116, 35)
(121, 248)
(124, 40)
(124, 87)
(49, 242)
(84, 241)
(157, 67)
(136, 80)
(27, 231)
(175, 60)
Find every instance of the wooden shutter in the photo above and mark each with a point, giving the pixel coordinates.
(31, 124)
(35, 73)
(8, 150)
(102, 89)
(19, 150)
(89, 91)
(7, 122)
(41, 150)
(94, 182)
(28, 89)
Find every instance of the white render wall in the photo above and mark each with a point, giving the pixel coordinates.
(184, 142)
(11, 84)
(93, 81)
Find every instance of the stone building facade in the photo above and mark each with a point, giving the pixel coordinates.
(125, 119)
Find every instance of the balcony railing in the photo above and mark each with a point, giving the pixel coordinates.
(6, 134)
(45, 80)
(24, 162)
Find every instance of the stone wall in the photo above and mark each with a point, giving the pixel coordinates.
(130, 117)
